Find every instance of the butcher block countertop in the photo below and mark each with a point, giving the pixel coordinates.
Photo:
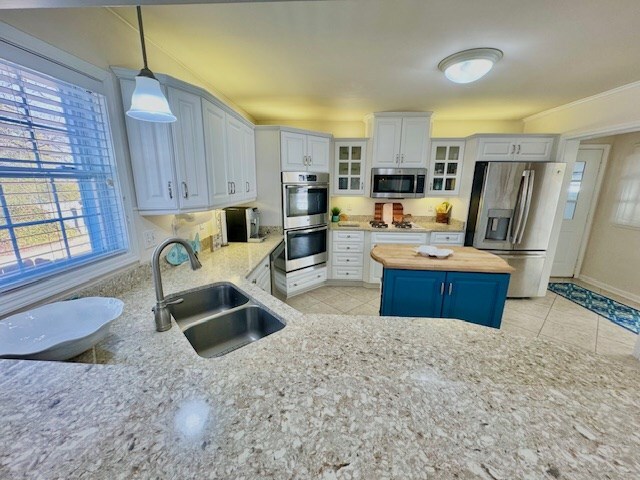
(463, 259)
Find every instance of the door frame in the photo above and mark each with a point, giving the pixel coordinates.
(594, 201)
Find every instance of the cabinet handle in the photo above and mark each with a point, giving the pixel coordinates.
(185, 190)
(347, 260)
(233, 187)
(518, 151)
(513, 148)
(170, 190)
(254, 281)
(295, 284)
(348, 248)
(247, 186)
(397, 158)
(310, 160)
(402, 158)
(450, 288)
(442, 288)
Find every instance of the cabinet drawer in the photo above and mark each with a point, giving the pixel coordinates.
(347, 247)
(447, 238)
(305, 279)
(351, 259)
(348, 236)
(347, 273)
(406, 238)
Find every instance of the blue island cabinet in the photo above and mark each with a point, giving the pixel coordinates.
(473, 297)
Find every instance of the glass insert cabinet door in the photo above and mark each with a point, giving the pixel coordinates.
(446, 166)
(349, 171)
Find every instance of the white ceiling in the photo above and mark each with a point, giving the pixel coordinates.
(340, 59)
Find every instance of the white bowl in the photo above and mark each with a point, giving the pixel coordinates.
(431, 251)
(58, 331)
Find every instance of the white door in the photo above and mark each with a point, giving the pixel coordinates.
(215, 143)
(235, 151)
(414, 142)
(293, 151)
(318, 151)
(577, 209)
(249, 163)
(386, 142)
(534, 149)
(188, 147)
(496, 149)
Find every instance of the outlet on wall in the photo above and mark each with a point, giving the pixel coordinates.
(430, 209)
(149, 237)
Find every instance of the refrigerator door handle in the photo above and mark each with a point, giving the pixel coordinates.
(516, 221)
(529, 189)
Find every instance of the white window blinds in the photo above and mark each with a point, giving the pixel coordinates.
(59, 202)
(627, 205)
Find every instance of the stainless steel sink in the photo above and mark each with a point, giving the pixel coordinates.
(204, 303)
(232, 330)
(220, 318)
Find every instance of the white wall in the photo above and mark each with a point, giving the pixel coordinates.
(612, 258)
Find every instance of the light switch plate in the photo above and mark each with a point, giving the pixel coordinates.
(149, 237)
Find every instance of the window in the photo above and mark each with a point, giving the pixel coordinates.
(59, 201)
(574, 190)
(627, 206)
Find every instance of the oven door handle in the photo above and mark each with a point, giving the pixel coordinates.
(308, 230)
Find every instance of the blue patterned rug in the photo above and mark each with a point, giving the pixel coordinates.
(618, 313)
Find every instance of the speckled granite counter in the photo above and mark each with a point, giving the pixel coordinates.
(327, 397)
(427, 223)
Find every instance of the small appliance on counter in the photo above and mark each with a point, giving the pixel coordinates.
(243, 224)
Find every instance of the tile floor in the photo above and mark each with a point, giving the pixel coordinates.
(551, 317)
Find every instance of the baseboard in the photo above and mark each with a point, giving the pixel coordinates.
(609, 288)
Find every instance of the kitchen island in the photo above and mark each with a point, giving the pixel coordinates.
(329, 396)
(469, 285)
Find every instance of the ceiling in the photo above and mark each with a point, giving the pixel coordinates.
(338, 60)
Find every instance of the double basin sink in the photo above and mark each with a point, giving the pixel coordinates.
(220, 318)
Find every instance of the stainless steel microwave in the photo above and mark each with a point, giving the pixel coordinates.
(398, 182)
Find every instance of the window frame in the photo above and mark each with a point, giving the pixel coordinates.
(27, 51)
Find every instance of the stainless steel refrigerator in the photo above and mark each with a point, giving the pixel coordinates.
(511, 214)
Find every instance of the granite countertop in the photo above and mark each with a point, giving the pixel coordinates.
(427, 224)
(329, 396)
(463, 259)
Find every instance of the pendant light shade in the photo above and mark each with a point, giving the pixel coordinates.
(469, 65)
(148, 103)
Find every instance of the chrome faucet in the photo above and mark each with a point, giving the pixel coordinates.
(161, 312)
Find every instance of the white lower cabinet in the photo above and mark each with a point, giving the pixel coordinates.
(305, 279)
(413, 238)
(347, 255)
(261, 276)
(447, 238)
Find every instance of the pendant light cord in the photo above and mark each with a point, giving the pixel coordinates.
(141, 29)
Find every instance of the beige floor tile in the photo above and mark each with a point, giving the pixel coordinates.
(547, 300)
(508, 327)
(528, 307)
(570, 335)
(365, 294)
(324, 293)
(365, 309)
(564, 305)
(585, 320)
(319, 307)
(612, 332)
(302, 301)
(611, 347)
(375, 302)
(344, 302)
(523, 321)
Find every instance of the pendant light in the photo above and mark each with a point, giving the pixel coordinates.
(148, 103)
(469, 65)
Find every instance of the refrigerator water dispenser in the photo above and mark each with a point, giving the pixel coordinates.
(498, 224)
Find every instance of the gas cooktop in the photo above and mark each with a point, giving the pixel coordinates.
(378, 224)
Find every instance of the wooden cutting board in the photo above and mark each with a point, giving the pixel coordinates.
(398, 211)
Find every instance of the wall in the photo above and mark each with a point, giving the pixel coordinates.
(611, 258)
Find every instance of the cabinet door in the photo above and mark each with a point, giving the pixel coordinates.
(412, 293)
(386, 142)
(188, 147)
(293, 152)
(151, 159)
(476, 297)
(249, 163)
(349, 168)
(536, 149)
(496, 149)
(318, 151)
(235, 156)
(414, 142)
(445, 167)
(215, 141)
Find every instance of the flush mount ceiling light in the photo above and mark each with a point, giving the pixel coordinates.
(469, 65)
(148, 103)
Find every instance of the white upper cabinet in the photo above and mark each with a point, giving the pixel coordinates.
(188, 147)
(204, 160)
(151, 159)
(401, 140)
(349, 169)
(518, 149)
(302, 152)
(445, 168)
(215, 141)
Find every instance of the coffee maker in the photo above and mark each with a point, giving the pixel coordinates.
(243, 224)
